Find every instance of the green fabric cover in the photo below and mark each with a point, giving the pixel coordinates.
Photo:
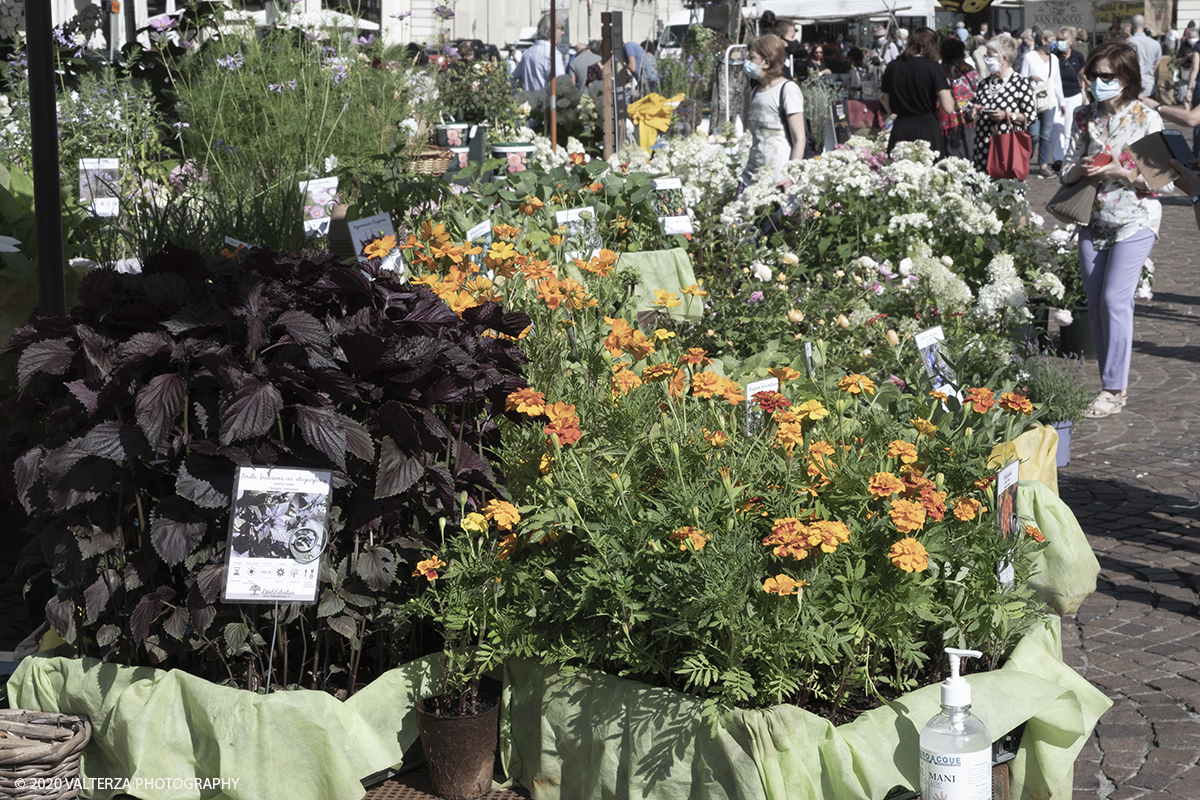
(1066, 570)
(670, 270)
(598, 736)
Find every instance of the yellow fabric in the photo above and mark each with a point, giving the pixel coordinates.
(1037, 450)
(652, 117)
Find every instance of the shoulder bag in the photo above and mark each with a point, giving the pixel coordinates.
(1042, 99)
(1008, 155)
(1073, 202)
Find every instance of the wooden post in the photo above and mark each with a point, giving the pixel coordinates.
(612, 54)
(43, 122)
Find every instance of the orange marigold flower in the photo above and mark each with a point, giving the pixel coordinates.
(1016, 402)
(907, 515)
(732, 392)
(771, 402)
(924, 427)
(380, 247)
(981, 399)
(429, 568)
(690, 535)
(658, 372)
(706, 384)
(697, 356)
(983, 483)
(714, 438)
(665, 300)
(782, 585)
(566, 429)
(939, 396)
(1034, 533)
(966, 509)
(783, 374)
(625, 381)
(934, 503)
(829, 534)
(789, 537)
(906, 452)
(857, 384)
(531, 205)
(909, 555)
(884, 484)
(526, 401)
(811, 410)
(506, 547)
(788, 435)
(503, 513)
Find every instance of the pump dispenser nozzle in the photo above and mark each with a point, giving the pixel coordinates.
(956, 692)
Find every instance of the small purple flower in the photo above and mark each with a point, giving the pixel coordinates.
(401, 15)
(274, 87)
(442, 12)
(179, 126)
(163, 23)
(367, 40)
(338, 74)
(755, 297)
(231, 63)
(451, 50)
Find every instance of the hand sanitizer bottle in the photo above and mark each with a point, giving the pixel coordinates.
(956, 748)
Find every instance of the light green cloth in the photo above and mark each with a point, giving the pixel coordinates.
(150, 724)
(598, 736)
(1065, 572)
(669, 270)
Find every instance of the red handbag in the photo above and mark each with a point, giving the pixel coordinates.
(1008, 155)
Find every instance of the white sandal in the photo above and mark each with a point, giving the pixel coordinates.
(1105, 405)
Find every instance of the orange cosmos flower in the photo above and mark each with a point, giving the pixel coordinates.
(783, 374)
(857, 384)
(622, 334)
(434, 233)
(907, 515)
(577, 158)
(526, 401)
(555, 240)
(1016, 402)
(909, 555)
(531, 205)
(967, 509)
(575, 295)
(981, 399)
(551, 292)
(811, 410)
(902, 450)
(639, 346)
(503, 513)
(429, 568)
(665, 300)
(690, 535)
(676, 384)
(884, 484)
(503, 231)
(380, 247)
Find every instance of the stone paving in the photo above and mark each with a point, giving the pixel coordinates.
(1134, 484)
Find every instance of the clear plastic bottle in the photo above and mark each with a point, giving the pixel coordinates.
(956, 747)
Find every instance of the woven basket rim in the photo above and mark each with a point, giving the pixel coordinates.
(36, 737)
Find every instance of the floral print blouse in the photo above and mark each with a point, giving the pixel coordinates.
(1121, 210)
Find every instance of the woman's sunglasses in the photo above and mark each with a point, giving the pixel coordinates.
(1102, 76)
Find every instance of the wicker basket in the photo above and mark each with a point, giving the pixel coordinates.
(40, 754)
(433, 161)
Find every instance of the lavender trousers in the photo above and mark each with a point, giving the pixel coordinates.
(1110, 280)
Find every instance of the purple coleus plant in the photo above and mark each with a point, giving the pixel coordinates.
(135, 408)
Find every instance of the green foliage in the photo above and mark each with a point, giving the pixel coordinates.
(1058, 384)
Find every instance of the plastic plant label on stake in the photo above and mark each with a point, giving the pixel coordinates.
(670, 207)
(278, 530)
(808, 359)
(582, 231)
(235, 247)
(755, 416)
(481, 231)
(929, 343)
(1006, 516)
(368, 229)
(319, 198)
(99, 185)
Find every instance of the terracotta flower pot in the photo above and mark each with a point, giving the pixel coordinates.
(460, 750)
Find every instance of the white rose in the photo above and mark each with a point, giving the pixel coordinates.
(1063, 317)
(791, 259)
(866, 262)
(760, 271)
(947, 261)
(906, 267)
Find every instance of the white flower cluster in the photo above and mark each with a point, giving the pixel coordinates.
(1048, 284)
(1005, 293)
(949, 292)
(708, 168)
(1145, 290)
(545, 157)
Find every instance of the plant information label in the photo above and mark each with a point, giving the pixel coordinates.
(278, 529)
(99, 183)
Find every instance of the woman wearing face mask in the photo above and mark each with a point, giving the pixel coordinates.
(914, 89)
(774, 102)
(1003, 100)
(1042, 69)
(1070, 62)
(1124, 224)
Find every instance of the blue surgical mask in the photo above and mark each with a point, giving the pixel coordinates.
(752, 69)
(1060, 46)
(992, 64)
(1106, 90)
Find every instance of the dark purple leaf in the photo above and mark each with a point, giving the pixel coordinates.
(87, 398)
(176, 624)
(414, 428)
(346, 626)
(358, 440)
(147, 610)
(322, 428)
(330, 604)
(95, 540)
(236, 634)
(52, 356)
(93, 348)
(74, 477)
(304, 327)
(344, 281)
(366, 513)
(202, 618)
(211, 581)
(142, 345)
(114, 441)
(442, 481)
(252, 411)
(60, 613)
(97, 595)
(429, 313)
(205, 480)
(27, 470)
(158, 404)
(174, 540)
(107, 635)
(365, 353)
(198, 317)
(470, 468)
(377, 567)
(397, 471)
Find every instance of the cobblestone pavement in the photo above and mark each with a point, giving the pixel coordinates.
(1134, 484)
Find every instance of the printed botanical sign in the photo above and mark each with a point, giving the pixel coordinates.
(98, 185)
